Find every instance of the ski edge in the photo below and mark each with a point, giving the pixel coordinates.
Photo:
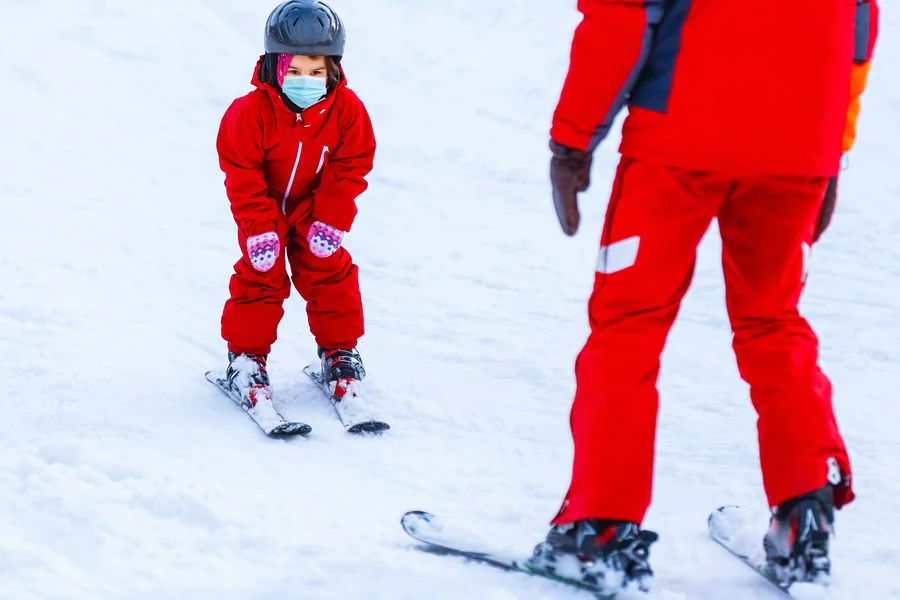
(720, 540)
(504, 563)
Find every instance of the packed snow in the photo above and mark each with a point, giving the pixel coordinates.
(124, 474)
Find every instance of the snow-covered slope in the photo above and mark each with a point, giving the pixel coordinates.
(123, 474)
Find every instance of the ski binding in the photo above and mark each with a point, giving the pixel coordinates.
(351, 409)
(263, 413)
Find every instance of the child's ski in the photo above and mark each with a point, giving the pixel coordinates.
(264, 413)
(427, 529)
(351, 409)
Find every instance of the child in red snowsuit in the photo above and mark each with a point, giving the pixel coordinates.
(736, 112)
(295, 152)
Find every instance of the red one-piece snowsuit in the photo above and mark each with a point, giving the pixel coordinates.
(283, 171)
(736, 111)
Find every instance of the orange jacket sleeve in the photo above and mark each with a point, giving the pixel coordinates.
(866, 34)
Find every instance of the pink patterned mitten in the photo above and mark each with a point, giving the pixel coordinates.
(324, 240)
(263, 250)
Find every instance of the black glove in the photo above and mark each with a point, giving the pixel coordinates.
(827, 209)
(570, 173)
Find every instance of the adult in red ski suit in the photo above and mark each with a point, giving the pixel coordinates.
(735, 112)
(285, 171)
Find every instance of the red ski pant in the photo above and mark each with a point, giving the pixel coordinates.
(655, 220)
(330, 287)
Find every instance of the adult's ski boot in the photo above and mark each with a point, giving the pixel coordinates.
(607, 555)
(799, 533)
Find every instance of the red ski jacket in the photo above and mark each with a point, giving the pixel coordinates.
(302, 167)
(753, 88)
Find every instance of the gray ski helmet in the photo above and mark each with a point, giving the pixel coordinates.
(308, 27)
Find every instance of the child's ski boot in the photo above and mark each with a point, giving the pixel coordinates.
(342, 371)
(340, 376)
(247, 376)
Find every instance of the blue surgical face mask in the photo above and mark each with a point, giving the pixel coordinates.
(303, 90)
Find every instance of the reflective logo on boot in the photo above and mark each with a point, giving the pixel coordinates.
(583, 532)
(811, 524)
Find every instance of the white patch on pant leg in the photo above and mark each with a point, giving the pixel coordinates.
(618, 256)
(807, 257)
